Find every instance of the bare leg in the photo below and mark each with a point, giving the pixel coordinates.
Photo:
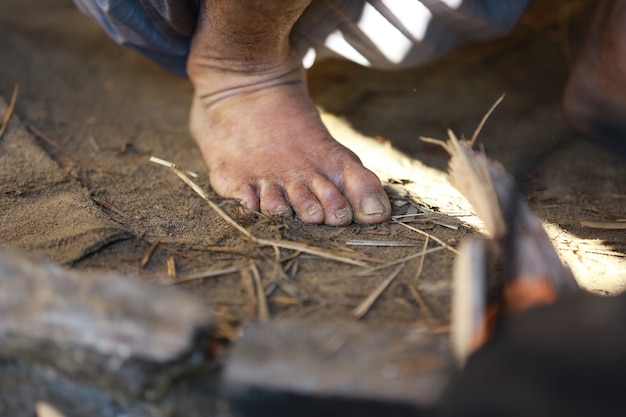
(257, 128)
(595, 96)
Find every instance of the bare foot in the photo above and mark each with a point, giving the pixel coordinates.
(258, 130)
(595, 96)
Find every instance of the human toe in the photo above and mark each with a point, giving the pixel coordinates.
(337, 210)
(365, 193)
(272, 200)
(306, 205)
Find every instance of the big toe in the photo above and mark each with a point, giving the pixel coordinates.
(370, 204)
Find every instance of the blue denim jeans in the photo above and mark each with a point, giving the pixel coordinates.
(377, 33)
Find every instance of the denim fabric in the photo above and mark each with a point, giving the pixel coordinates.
(377, 33)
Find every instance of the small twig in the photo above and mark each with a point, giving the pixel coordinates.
(436, 239)
(437, 142)
(445, 145)
(171, 165)
(148, 255)
(484, 120)
(261, 301)
(214, 206)
(409, 216)
(171, 268)
(369, 271)
(279, 272)
(312, 250)
(421, 303)
(94, 143)
(113, 209)
(7, 116)
(399, 261)
(604, 225)
(366, 304)
(420, 267)
(605, 252)
(208, 274)
(286, 301)
(444, 224)
(247, 282)
(292, 266)
(381, 243)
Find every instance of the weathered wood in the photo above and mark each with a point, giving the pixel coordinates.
(123, 336)
(299, 368)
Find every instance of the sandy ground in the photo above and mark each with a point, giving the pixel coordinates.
(78, 187)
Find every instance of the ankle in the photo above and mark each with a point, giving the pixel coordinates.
(246, 36)
(213, 85)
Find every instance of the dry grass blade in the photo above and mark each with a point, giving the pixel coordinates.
(311, 250)
(401, 260)
(484, 184)
(437, 142)
(604, 225)
(171, 268)
(371, 270)
(208, 274)
(247, 282)
(421, 303)
(7, 116)
(115, 210)
(171, 165)
(428, 235)
(214, 206)
(420, 267)
(380, 243)
(484, 120)
(146, 258)
(362, 309)
(606, 252)
(261, 301)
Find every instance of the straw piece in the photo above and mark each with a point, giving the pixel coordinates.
(484, 120)
(146, 258)
(171, 268)
(436, 239)
(382, 243)
(208, 274)
(171, 165)
(366, 304)
(247, 281)
(114, 209)
(420, 267)
(604, 225)
(7, 116)
(421, 303)
(261, 301)
(286, 301)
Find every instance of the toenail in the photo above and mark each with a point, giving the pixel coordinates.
(372, 205)
(281, 211)
(313, 210)
(343, 213)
